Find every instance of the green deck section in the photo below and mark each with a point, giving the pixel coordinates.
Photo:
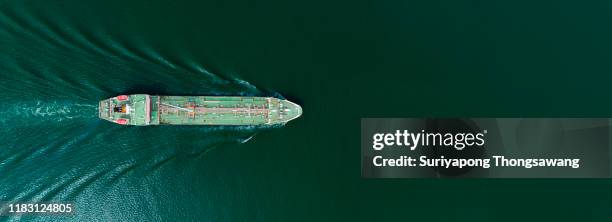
(139, 105)
(200, 110)
(155, 110)
(206, 110)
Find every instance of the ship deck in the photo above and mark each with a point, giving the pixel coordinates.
(209, 110)
(143, 109)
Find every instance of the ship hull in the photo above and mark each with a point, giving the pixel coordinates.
(143, 110)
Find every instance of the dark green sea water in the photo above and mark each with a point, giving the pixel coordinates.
(341, 60)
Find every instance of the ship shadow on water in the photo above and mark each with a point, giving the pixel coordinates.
(162, 89)
(293, 99)
(152, 89)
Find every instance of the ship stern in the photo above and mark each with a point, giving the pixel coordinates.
(104, 109)
(126, 109)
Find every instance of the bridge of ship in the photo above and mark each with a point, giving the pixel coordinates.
(132, 110)
(199, 110)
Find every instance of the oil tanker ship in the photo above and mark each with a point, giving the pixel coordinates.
(144, 110)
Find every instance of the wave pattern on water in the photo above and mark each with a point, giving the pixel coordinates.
(38, 111)
(53, 72)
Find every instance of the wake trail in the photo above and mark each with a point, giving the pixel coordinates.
(28, 113)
